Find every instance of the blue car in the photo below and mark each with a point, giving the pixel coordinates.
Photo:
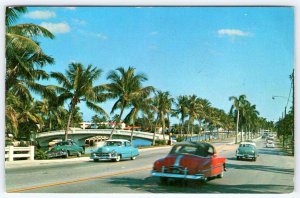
(115, 150)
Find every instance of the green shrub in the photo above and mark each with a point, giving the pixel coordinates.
(180, 138)
(40, 154)
(160, 142)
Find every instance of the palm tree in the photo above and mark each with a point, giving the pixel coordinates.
(125, 86)
(24, 60)
(78, 85)
(251, 115)
(137, 104)
(182, 110)
(24, 56)
(203, 113)
(162, 105)
(52, 111)
(237, 105)
(194, 107)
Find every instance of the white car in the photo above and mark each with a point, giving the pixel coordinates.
(270, 145)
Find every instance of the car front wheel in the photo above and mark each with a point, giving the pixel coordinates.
(67, 154)
(118, 158)
(133, 157)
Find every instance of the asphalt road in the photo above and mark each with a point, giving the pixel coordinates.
(273, 172)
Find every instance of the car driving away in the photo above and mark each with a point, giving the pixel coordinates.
(190, 161)
(115, 150)
(246, 150)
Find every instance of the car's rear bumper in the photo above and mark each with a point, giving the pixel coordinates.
(246, 155)
(180, 176)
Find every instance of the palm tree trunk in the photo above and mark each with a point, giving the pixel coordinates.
(181, 129)
(163, 126)
(131, 137)
(153, 140)
(117, 121)
(69, 121)
(237, 126)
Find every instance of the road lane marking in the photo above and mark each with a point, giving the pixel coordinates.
(76, 180)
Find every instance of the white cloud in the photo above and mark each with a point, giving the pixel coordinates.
(233, 32)
(59, 28)
(101, 36)
(39, 14)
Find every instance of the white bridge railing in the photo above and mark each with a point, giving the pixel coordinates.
(23, 152)
(140, 134)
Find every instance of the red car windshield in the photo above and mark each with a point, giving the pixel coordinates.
(188, 149)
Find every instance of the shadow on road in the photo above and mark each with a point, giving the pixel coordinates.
(260, 168)
(152, 185)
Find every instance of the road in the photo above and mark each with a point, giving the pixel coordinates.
(273, 172)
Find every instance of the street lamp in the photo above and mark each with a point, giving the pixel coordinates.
(273, 97)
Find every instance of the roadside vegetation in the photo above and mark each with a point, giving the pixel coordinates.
(149, 107)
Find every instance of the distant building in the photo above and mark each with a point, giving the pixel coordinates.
(90, 125)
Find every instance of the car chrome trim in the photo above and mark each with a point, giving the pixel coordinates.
(181, 176)
(177, 161)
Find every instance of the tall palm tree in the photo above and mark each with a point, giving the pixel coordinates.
(182, 110)
(237, 105)
(24, 60)
(251, 115)
(78, 85)
(125, 85)
(203, 113)
(162, 104)
(194, 107)
(141, 104)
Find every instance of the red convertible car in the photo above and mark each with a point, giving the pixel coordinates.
(190, 160)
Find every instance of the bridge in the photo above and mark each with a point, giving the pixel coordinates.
(80, 135)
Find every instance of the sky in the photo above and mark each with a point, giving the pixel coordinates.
(212, 52)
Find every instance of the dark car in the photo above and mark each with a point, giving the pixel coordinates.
(65, 149)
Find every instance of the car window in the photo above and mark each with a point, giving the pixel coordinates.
(210, 150)
(187, 149)
(113, 143)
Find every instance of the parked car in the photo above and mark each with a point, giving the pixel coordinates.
(270, 145)
(65, 149)
(246, 150)
(115, 150)
(190, 160)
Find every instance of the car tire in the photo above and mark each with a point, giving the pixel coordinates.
(67, 154)
(96, 160)
(133, 157)
(117, 159)
(79, 154)
(204, 180)
(221, 175)
(254, 159)
(237, 158)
